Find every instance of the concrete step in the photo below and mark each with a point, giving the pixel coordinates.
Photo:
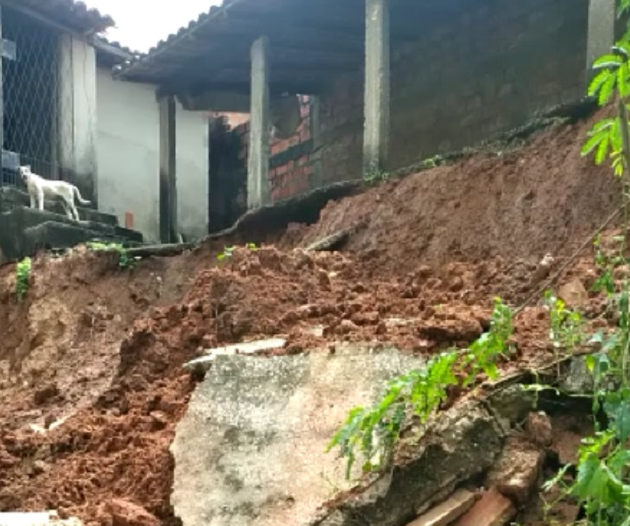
(13, 197)
(24, 231)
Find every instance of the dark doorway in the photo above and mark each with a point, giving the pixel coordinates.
(227, 197)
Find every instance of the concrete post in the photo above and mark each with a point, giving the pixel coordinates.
(601, 30)
(377, 84)
(77, 125)
(258, 161)
(168, 168)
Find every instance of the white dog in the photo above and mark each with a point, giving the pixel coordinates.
(40, 188)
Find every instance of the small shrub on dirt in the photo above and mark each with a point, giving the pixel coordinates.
(374, 175)
(228, 251)
(124, 259)
(23, 277)
(567, 325)
(373, 432)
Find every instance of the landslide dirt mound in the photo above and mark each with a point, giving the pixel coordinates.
(516, 204)
(117, 447)
(60, 347)
(106, 347)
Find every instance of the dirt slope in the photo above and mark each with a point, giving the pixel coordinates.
(542, 198)
(105, 347)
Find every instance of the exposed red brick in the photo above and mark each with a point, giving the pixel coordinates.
(449, 510)
(492, 509)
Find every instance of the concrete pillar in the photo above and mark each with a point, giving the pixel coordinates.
(168, 170)
(258, 161)
(602, 15)
(76, 115)
(377, 84)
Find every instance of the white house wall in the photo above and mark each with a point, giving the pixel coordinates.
(191, 131)
(128, 152)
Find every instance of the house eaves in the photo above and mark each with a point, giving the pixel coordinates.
(70, 15)
(311, 43)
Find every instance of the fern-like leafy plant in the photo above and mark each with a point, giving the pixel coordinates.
(23, 277)
(373, 432)
(125, 260)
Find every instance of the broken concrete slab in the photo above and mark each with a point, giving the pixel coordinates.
(44, 518)
(251, 447)
(238, 348)
(461, 443)
(492, 509)
(451, 509)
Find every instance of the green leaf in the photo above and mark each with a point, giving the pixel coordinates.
(592, 480)
(606, 60)
(617, 407)
(602, 150)
(592, 143)
(607, 90)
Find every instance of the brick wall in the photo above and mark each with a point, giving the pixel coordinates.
(292, 164)
(461, 82)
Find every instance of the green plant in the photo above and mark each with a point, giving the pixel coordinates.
(567, 325)
(602, 485)
(375, 174)
(606, 264)
(125, 260)
(228, 251)
(374, 431)
(23, 277)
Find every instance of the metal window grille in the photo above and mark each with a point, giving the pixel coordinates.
(33, 97)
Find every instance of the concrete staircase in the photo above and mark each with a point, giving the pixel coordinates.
(24, 231)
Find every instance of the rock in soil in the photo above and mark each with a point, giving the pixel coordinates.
(124, 513)
(517, 470)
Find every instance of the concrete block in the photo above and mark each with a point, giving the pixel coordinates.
(492, 509)
(44, 518)
(449, 510)
(251, 447)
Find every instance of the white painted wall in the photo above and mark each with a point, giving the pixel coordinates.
(128, 152)
(192, 142)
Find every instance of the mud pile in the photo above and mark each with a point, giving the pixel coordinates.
(104, 347)
(514, 203)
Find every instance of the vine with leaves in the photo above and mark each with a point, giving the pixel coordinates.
(372, 432)
(602, 484)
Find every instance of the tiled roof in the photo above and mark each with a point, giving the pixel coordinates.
(117, 45)
(71, 14)
(213, 51)
(192, 25)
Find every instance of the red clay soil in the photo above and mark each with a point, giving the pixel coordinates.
(519, 204)
(104, 347)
